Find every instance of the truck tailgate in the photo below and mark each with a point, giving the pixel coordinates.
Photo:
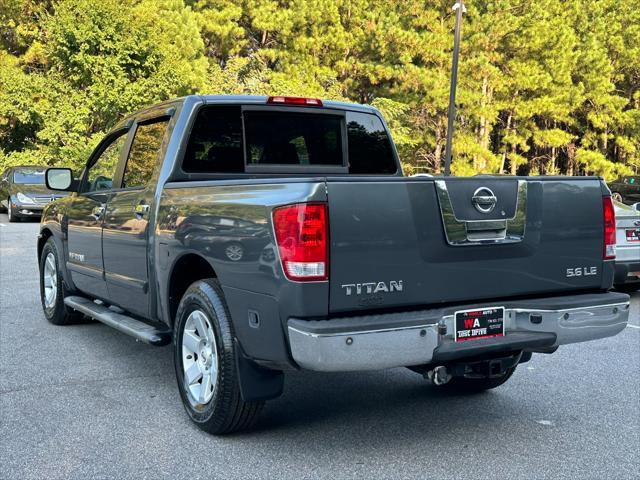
(416, 241)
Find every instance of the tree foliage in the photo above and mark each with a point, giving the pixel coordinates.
(546, 86)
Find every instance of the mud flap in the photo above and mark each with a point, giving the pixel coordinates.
(257, 383)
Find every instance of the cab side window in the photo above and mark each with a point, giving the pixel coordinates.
(215, 143)
(101, 173)
(143, 155)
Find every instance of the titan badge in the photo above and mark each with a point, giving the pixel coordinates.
(369, 288)
(78, 257)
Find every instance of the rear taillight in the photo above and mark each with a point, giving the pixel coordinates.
(308, 102)
(609, 215)
(302, 232)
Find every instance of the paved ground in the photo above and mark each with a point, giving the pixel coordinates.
(88, 402)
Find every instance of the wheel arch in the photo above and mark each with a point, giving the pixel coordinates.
(45, 234)
(187, 269)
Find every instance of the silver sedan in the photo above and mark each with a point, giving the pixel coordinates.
(627, 246)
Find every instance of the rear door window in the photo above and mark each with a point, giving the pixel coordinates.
(143, 154)
(215, 143)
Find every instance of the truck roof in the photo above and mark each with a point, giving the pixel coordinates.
(260, 100)
(241, 99)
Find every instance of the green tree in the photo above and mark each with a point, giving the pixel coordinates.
(546, 87)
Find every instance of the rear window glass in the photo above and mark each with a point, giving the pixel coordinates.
(282, 138)
(31, 177)
(370, 150)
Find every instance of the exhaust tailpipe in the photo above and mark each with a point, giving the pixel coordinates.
(439, 375)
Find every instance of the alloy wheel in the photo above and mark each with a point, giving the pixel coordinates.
(199, 358)
(234, 252)
(50, 280)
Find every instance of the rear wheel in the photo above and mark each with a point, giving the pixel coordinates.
(52, 288)
(628, 287)
(204, 357)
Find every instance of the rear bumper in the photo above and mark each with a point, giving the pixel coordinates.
(627, 272)
(417, 338)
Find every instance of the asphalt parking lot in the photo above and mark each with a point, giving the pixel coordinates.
(85, 401)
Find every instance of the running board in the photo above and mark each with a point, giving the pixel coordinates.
(137, 329)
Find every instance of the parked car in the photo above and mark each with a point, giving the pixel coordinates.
(626, 190)
(23, 193)
(228, 238)
(628, 246)
(351, 266)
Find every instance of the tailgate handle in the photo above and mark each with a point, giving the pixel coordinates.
(486, 230)
(472, 232)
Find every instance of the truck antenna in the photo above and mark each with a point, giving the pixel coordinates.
(459, 8)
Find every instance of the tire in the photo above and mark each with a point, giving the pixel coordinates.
(628, 287)
(616, 197)
(465, 386)
(211, 393)
(10, 212)
(52, 288)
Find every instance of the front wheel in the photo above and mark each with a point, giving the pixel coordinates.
(204, 358)
(616, 197)
(52, 288)
(11, 213)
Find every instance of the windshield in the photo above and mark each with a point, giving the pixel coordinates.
(30, 176)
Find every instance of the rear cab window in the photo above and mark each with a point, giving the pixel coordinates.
(301, 139)
(228, 139)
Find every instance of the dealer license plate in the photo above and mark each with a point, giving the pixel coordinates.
(479, 323)
(633, 234)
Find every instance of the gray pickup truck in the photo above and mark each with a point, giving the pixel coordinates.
(263, 235)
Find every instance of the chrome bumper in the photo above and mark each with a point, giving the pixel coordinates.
(416, 338)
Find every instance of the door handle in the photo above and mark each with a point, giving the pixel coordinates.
(97, 212)
(142, 209)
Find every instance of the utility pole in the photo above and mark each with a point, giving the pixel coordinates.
(459, 8)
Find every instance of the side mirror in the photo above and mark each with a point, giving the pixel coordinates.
(60, 179)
